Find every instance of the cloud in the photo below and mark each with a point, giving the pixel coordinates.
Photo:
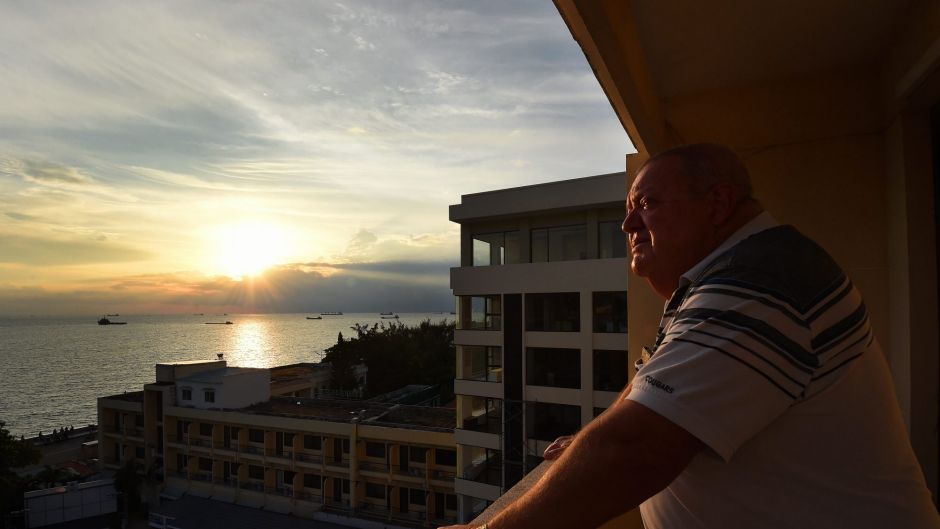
(411, 286)
(38, 251)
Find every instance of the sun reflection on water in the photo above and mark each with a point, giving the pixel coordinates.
(251, 341)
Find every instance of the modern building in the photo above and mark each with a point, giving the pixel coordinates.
(541, 324)
(216, 431)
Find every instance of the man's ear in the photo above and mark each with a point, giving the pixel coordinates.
(724, 200)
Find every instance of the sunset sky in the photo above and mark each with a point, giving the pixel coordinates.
(279, 156)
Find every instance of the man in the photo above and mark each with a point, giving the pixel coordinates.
(765, 400)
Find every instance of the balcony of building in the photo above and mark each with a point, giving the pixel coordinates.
(482, 422)
(483, 476)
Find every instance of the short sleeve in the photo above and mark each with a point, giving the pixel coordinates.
(731, 361)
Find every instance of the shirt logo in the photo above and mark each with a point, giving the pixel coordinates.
(659, 384)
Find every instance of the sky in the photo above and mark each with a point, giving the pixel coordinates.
(273, 156)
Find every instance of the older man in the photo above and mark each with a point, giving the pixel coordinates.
(765, 400)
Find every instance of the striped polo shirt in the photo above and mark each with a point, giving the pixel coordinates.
(766, 354)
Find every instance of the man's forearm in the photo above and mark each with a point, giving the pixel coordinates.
(610, 468)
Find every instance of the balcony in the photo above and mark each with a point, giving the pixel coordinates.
(282, 490)
(415, 472)
(629, 520)
(491, 422)
(343, 463)
(306, 457)
(488, 471)
(253, 486)
(368, 466)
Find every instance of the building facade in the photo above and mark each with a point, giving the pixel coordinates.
(298, 455)
(542, 322)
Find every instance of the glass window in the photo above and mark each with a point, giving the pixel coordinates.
(559, 312)
(498, 248)
(209, 395)
(557, 368)
(375, 491)
(312, 442)
(447, 458)
(451, 502)
(482, 363)
(255, 435)
(551, 421)
(610, 370)
(610, 311)
(418, 497)
(559, 243)
(182, 462)
(611, 240)
(187, 394)
(479, 313)
(139, 452)
(417, 454)
(375, 450)
(312, 481)
(205, 464)
(255, 472)
(346, 486)
(205, 429)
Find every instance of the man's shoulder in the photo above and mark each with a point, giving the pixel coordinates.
(780, 261)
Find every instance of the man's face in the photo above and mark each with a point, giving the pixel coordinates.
(669, 226)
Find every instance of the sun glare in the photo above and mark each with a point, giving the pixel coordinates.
(249, 248)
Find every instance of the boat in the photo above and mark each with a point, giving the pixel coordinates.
(218, 323)
(105, 321)
(386, 313)
(110, 315)
(314, 317)
(395, 317)
(331, 313)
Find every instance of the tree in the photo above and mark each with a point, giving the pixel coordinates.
(13, 454)
(396, 355)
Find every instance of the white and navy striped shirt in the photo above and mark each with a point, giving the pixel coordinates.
(766, 354)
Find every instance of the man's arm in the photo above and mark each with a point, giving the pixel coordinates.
(619, 460)
(559, 445)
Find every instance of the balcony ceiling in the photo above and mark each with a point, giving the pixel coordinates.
(692, 46)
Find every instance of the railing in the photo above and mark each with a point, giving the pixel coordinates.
(443, 474)
(252, 486)
(412, 471)
(282, 490)
(341, 463)
(199, 441)
(256, 450)
(486, 471)
(484, 423)
(285, 453)
(373, 467)
(223, 446)
(202, 476)
(491, 374)
(226, 482)
(337, 506)
(308, 496)
(309, 458)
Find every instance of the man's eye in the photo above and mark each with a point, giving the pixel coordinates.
(645, 204)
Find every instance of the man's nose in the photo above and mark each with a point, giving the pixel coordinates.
(632, 222)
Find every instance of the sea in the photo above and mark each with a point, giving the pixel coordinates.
(53, 369)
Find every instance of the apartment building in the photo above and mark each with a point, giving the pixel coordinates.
(217, 431)
(542, 322)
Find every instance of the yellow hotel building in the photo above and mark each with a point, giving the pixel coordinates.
(222, 432)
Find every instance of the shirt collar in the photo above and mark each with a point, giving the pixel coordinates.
(762, 222)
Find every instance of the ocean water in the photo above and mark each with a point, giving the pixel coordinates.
(53, 369)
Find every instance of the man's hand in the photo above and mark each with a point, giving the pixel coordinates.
(557, 447)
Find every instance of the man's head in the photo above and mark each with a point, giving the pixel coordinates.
(683, 204)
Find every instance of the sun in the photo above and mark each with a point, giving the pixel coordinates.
(248, 248)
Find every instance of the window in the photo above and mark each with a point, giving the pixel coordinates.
(139, 452)
(312, 442)
(205, 429)
(610, 370)
(496, 248)
(209, 395)
(611, 240)
(556, 368)
(182, 428)
(482, 363)
(255, 472)
(375, 491)
(345, 446)
(312, 481)
(187, 394)
(138, 420)
(182, 462)
(451, 502)
(205, 464)
(550, 421)
(345, 486)
(558, 312)
(417, 497)
(375, 450)
(255, 435)
(288, 440)
(479, 312)
(417, 454)
(447, 458)
(610, 311)
(559, 243)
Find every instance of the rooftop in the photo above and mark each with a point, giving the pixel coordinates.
(292, 372)
(335, 410)
(129, 396)
(578, 193)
